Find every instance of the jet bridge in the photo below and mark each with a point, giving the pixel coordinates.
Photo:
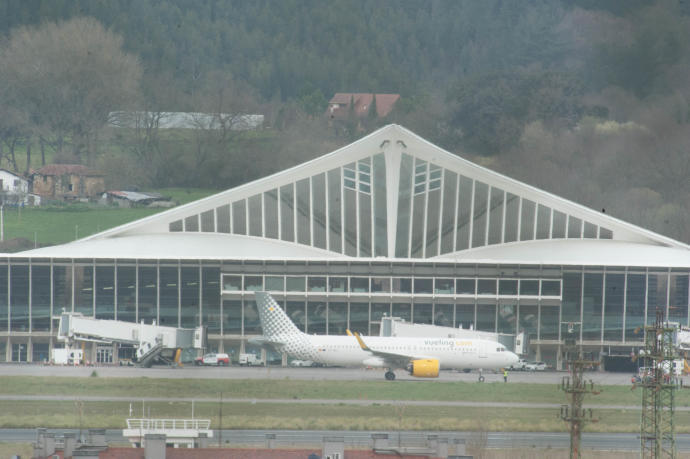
(150, 340)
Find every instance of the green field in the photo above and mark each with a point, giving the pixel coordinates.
(57, 224)
(259, 412)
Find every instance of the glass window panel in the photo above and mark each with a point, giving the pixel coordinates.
(255, 217)
(548, 328)
(364, 225)
(359, 284)
(486, 286)
(303, 213)
(232, 317)
(443, 315)
(543, 222)
(432, 220)
(572, 294)
(402, 285)
(464, 316)
(271, 214)
(4, 309)
(558, 231)
(450, 184)
(275, 283)
(62, 289)
(105, 292)
(318, 183)
(337, 318)
(423, 286)
(379, 310)
(634, 307)
(465, 286)
(613, 312)
(529, 287)
(508, 287)
(550, 288)
(404, 200)
(486, 317)
(316, 284)
(574, 227)
(223, 219)
(417, 242)
(481, 200)
(316, 317)
(592, 300)
(349, 173)
(678, 299)
(126, 293)
(253, 283)
(83, 290)
(232, 283)
(507, 318)
(337, 284)
(40, 298)
(296, 313)
(169, 296)
(190, 296)
(657, 285)
(605, 233)
(39, 351)
(252, 324)
(176, 226)
(527, 220)
(239, 217)
(295, 284)
(191, 224)
(528, 320)
(380, 210)
(444, 286)
(334, 209)
(207, 221)
(380, 285)
(422, 313)
(359, 318)
(464, 213)
(350, 184)
(495, 216)
(210, 299)
(512, 216)
(403, 310)
(590, 231)
(148, 294)
(287, 210)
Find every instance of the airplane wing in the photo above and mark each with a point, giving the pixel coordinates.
(393, 358)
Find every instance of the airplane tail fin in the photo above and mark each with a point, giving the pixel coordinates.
(274, 321)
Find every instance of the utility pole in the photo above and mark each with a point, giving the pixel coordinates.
(658, 385)
(576, 388)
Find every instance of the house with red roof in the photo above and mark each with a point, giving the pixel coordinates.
(339, 105)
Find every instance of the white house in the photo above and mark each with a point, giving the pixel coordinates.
(15, 189)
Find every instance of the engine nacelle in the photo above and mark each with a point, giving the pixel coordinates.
(424, 368)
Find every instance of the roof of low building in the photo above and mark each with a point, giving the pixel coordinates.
(66, 169)
(362, 101)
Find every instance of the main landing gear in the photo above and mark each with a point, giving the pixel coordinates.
(390, 376)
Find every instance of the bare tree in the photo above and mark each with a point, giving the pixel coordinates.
(69, 76)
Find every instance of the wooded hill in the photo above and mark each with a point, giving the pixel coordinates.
(587, 99)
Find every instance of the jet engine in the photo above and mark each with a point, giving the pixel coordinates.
(424, 368)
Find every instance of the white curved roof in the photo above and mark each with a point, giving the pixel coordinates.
(585, 252)
(182, 246)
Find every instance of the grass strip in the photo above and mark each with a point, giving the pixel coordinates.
(112, 415)
(137, 388)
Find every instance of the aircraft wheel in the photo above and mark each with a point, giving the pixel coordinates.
(390, 376)
(481, 378)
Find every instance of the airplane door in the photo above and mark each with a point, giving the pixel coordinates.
(482, 351)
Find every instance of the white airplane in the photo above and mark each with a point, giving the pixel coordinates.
(421, 357)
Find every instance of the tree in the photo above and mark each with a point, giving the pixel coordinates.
(69, 76)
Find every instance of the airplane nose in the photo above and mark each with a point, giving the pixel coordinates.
(512, 357)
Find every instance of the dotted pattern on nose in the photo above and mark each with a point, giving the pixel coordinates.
(277, 326)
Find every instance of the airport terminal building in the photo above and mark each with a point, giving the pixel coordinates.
(390, 225)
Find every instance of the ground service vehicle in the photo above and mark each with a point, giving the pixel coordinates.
(251, 360)
(301, 363)
(519, 365)
(213, 359)
(535, 366)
